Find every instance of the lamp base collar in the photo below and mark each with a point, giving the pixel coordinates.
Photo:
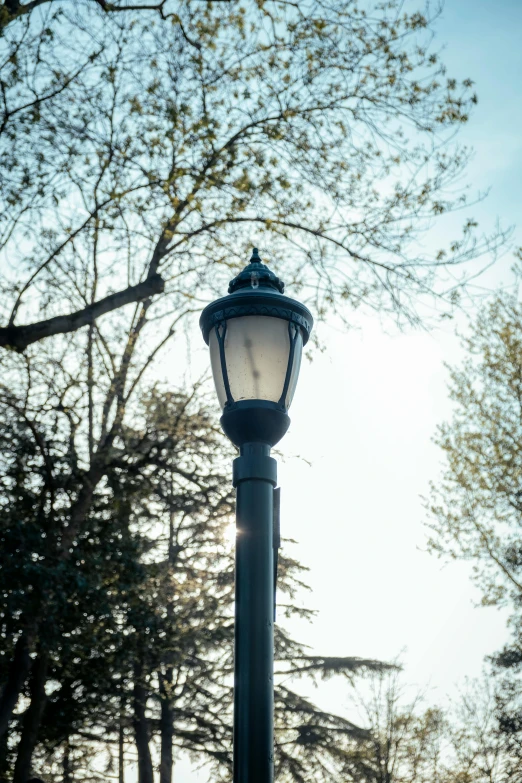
(254, 421)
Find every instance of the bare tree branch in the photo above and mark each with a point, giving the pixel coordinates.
(13, 9)
(19, 337)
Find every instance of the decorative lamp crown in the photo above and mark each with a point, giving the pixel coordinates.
(256, 275)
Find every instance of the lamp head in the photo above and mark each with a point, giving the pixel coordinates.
(256, 335)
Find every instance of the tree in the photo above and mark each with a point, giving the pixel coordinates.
(140, 152)
(409, 743)
(78, 604)
(475, 508)
(481, 751)
(509, 713)
(404, 743)
(131, 632)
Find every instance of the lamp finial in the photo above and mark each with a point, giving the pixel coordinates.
(256, 274)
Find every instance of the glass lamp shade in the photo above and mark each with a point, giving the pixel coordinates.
(261, 356)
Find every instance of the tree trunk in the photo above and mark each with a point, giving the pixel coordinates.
(165, 681)
(66, 763)
(32, 719)
(17, 675)
(121, 748)
(166, 726)
(4, 758)
(141, 728)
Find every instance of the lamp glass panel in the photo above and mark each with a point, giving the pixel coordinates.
(257, 349)
(296, 366)
(215, 363)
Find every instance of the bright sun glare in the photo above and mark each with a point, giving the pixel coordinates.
(230, 534)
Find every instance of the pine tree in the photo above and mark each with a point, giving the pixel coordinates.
(138, 630)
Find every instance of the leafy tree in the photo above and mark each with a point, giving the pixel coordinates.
(509, 712)
(140, 151)
(404, 744)
(475, 507)
(409, 743)
(481, 751)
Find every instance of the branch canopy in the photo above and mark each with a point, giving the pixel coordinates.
(143, 142)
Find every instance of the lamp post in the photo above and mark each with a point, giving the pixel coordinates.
(256, 336)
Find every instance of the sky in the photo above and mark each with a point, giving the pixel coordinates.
(364, 414)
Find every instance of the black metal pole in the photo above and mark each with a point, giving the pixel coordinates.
(255, 476)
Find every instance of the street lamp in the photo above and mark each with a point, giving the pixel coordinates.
(256, 337)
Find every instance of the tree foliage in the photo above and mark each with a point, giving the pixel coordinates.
(409, 742)
(141, 153)
(476, 506)
(117, 582)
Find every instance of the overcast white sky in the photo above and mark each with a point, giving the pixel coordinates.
(364, 415)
